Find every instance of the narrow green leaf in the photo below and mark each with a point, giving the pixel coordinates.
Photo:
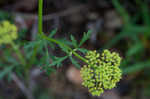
(9, 78)
(136, 67)
(137, 29)
(6, 71)
(82, 50)
(115, 40)
(49, 70)
(10, 58)
(144, 11)
(51, 45)
(31, 44)
(64, 49)
(52, 33)
(123, 13)
(58, 61)
(47, 54)
(1, 65)
(126, 32)
(134, 49)
(74, 62)
(86, 36)
(65, 41)
(74, 41)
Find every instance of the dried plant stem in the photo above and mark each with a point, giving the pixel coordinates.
(22, 86)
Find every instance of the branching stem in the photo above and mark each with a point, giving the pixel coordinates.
(40, 15)
(64, 45)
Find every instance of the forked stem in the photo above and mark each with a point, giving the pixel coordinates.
(40, 31)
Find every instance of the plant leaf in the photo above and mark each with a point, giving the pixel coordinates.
(6, 71)
(136, 67)
(82, 50)
(53, 32)
(124, 14)
(85, 37)
(75, 62)
(134, 49)
(64, 49)
(65, 41)
(74, 41)
(58, 61)
(49, 70)
(31, 44)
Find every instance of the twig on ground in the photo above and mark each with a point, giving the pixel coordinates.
(22, 86)
(64, 13)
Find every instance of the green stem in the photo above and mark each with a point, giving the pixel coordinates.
(56, 41)
(40, 16)
(64, 45)
(80, 57)
(40, 31)
(19, 54)
(31, 61)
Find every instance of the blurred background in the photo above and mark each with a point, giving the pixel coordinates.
(119, 25)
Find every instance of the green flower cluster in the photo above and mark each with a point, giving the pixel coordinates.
(102, 71)
(8, 32)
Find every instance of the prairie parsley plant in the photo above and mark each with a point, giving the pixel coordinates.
(101, 72)
(8, 32)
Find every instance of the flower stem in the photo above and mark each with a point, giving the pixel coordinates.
(80, 57)
(40, 16)
(64, 45)
(40, 31)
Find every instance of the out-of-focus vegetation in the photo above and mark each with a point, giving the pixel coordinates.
(134, 39)
(131, 39)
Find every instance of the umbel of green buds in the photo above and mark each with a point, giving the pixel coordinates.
(8, 32)
(102, 71)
